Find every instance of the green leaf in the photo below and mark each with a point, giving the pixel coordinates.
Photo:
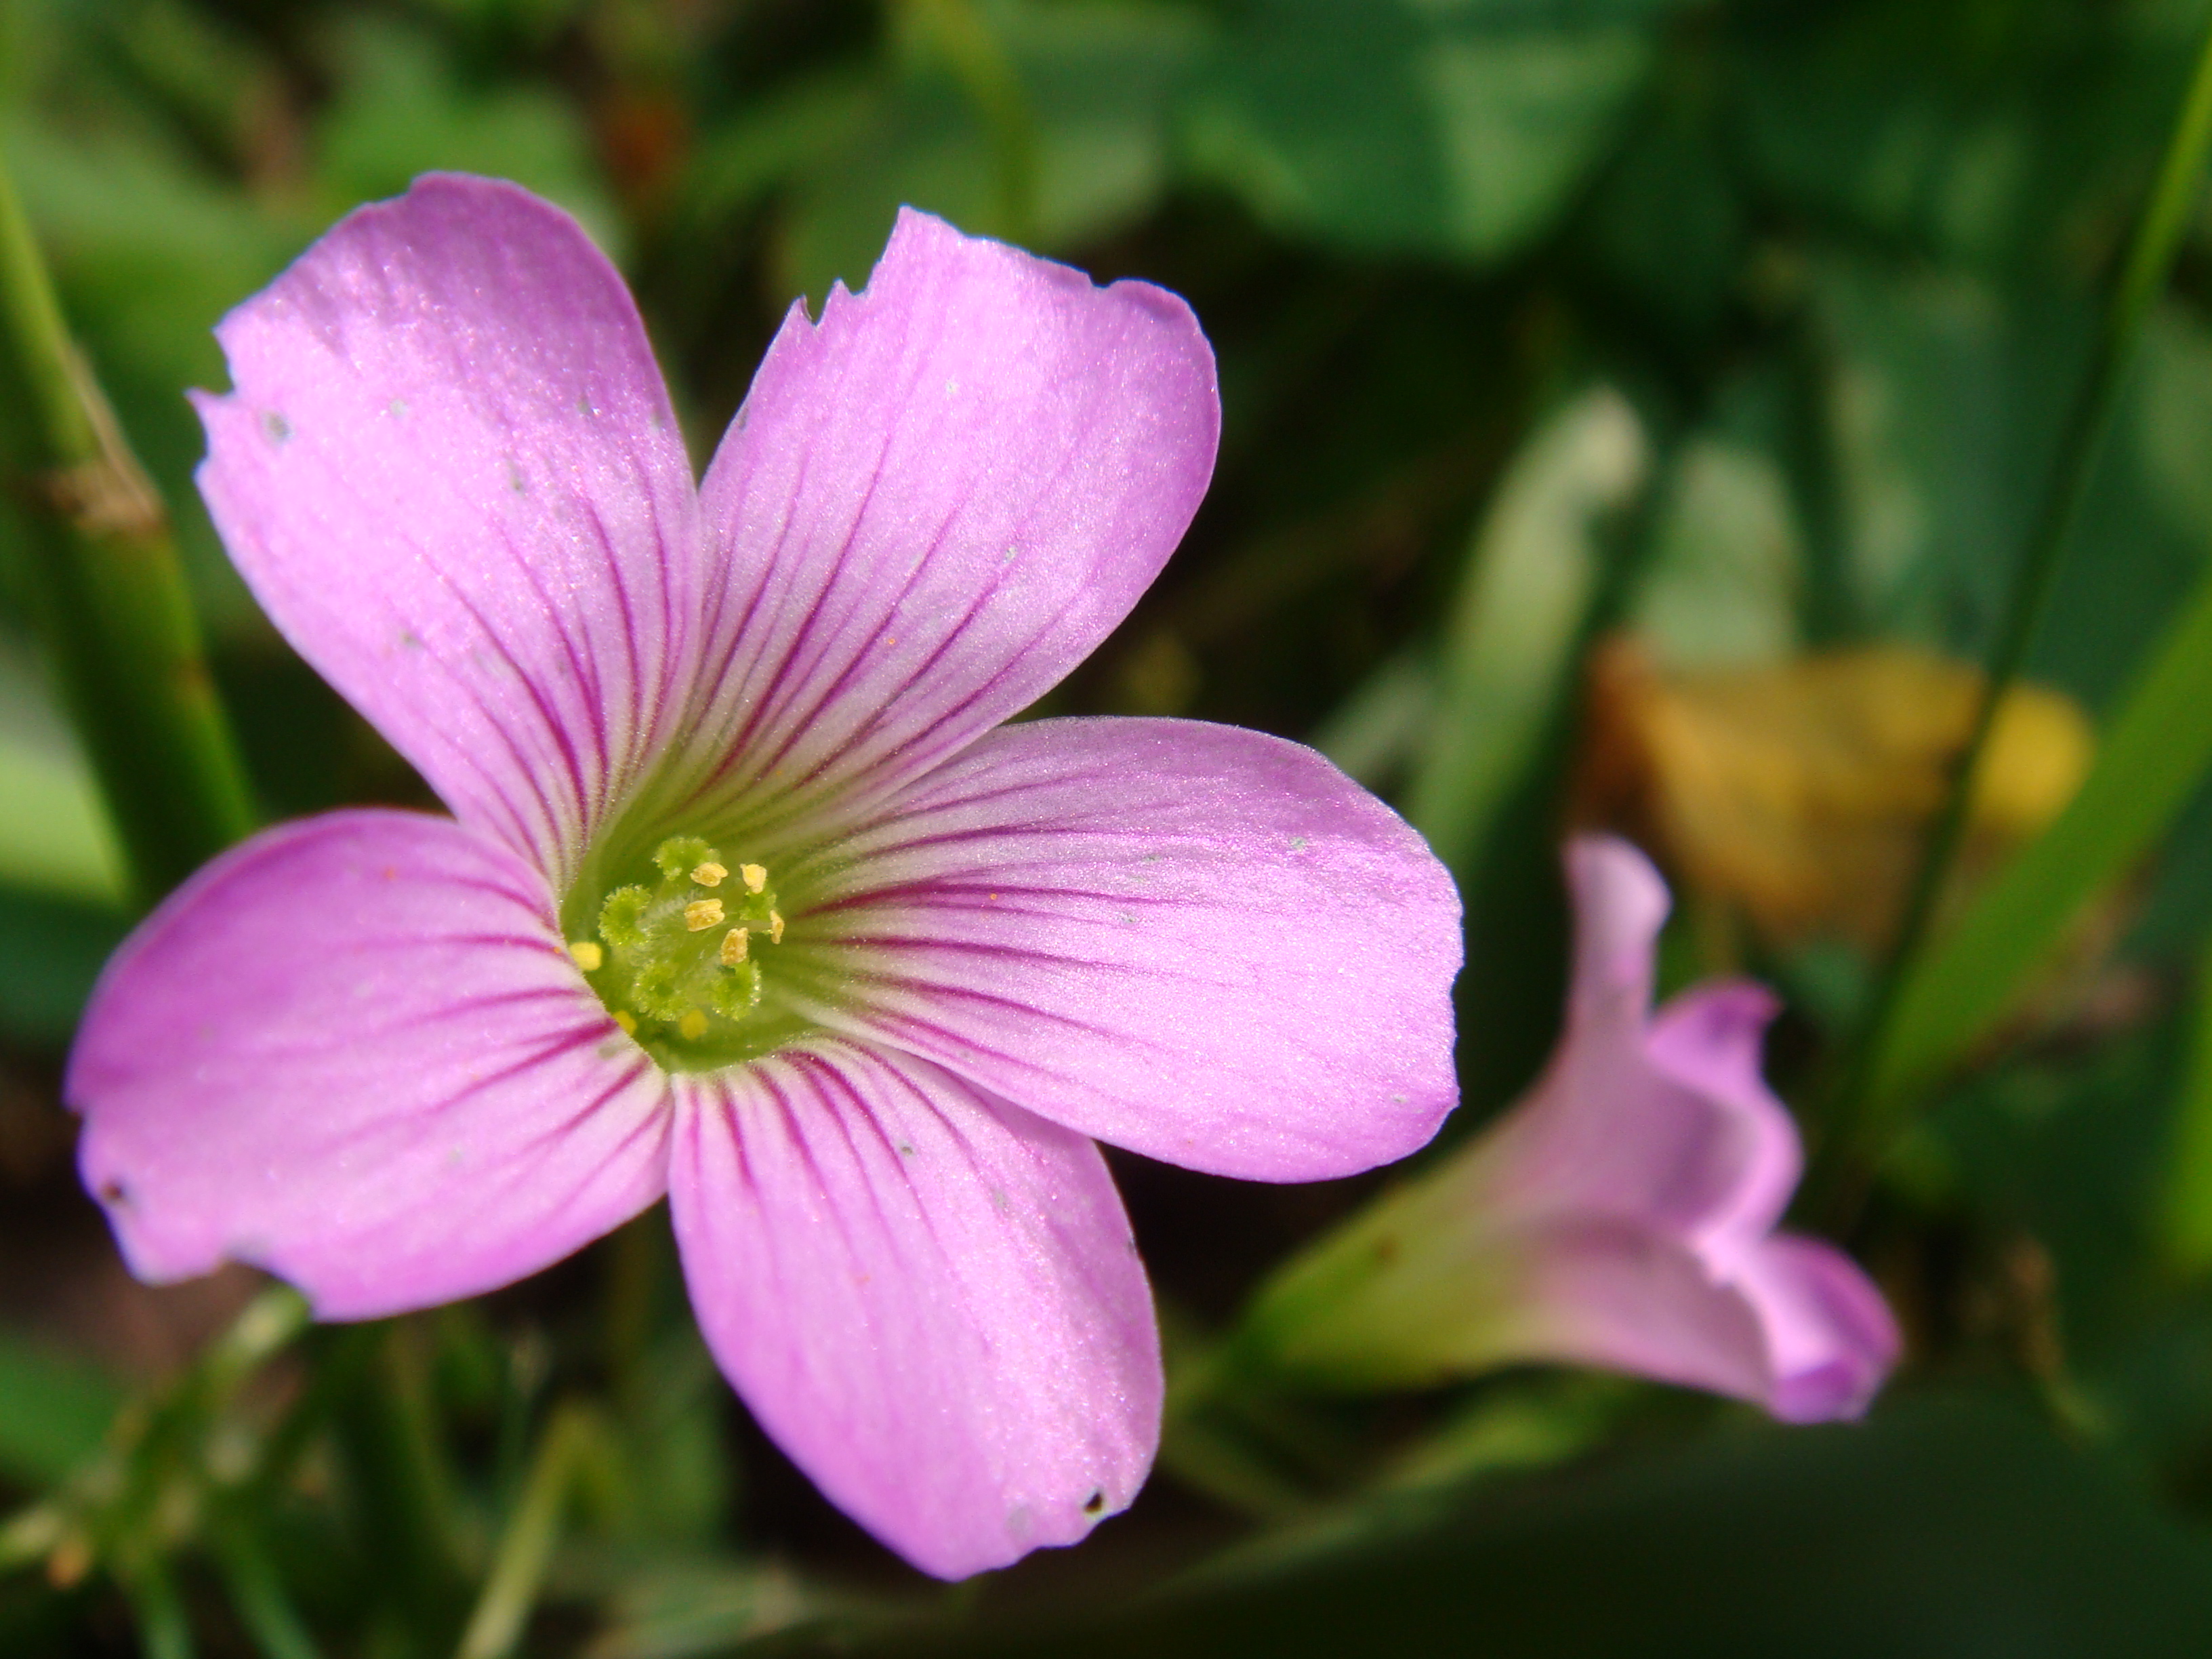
(50, 954)
(55, 836)
(1532, 574)
(2157, 747)
(1939, 400)
(2187, 1220)
(403, 112)
(1992, 141)
(1383, 724)
(1400, 126)
(1945, 1526)
(744, 159)
(53, 1412)
(1942, 397)
(1723, 572)
(1086, 103)
(703, 1609)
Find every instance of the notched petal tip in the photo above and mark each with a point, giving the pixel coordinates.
(976, 465)
(924, 247)
(920, 237)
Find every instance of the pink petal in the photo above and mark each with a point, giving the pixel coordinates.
(1709, 1039)
(1831, 1337)
(1664, 1122)
(1621, 904)
(1600, 1292)
(1798, 1328)
(1201, 942)
(938, 501)
(450, 473)
(354, 1052)
(930, 1298)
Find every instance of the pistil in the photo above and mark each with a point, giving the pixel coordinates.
(673, 960)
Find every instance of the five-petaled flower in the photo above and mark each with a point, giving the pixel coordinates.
(1621, 1214)
(748, 896)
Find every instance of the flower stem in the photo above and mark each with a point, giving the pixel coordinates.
(525, 1550)
(264, 1328)
(165, 1629)
(1863, 1115)
(107, 593)
(257, 1592)
(386, 1434)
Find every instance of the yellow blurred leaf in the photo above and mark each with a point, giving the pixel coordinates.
(1798, 794)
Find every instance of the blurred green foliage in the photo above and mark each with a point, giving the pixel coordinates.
(1748, 324)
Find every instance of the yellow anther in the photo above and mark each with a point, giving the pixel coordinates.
(710, 874)
(692, 1026)
(733, 947)
(588, 956)
(756, 877)
(627, 1020)
(702, 914)
(774, 928)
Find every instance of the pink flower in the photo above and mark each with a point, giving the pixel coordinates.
(748, 897)
(1620, 1215)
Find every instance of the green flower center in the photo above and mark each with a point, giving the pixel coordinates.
(679, 961)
